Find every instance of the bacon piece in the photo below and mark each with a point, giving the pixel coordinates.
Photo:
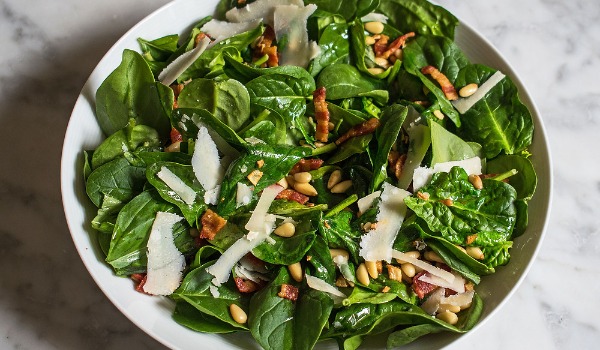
(397, 164)
(175, 135)
(288, 292)
(445, 84)
(363, 128)
(399, 43)
(292, 195)
(321, 114)
(176, 91)
(140, 280)
(421, 288)
(381, 45)
(212, 223)
(306, 165)
(246, 286)
(264, 46)
(199, 38)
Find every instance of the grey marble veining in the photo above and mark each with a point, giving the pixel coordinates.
(48, 300)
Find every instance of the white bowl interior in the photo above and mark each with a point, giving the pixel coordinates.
(153, 314)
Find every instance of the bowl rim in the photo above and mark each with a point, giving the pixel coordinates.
(464, 28)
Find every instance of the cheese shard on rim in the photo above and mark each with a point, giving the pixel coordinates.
(260, 225)
(462, 105)
(422, 175)
(185, 192)
(290, 28)
(377, 244)
(260, 9)
(207, 165)
(165, 261)
(171, 72)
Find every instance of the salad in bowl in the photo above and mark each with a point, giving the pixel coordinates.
(310, 170)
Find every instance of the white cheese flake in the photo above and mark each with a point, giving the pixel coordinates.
(165, 261)
(449, 277)
(462, 105)
(366, 202)
(222, 30)
(457, 285)
(374, 17)
(377, 244)
(185, 192)
(207, 165)
(243, 194)
(260, 9)
(171, 72)
(432, 304)
(422, 175)
(290, 30)
(318, 284)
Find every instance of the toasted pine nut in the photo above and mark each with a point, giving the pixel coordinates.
(413, 254)
(238, 314)
(374, 27)
(285, 230)
(302, 177)
(369, 40)
(306, 189)
(336, 251)
(398, 53)
(375, 70)
(290, 180)
(475, 180)
(438, 114)
(255, 176)
(394, 273)
(423, 195)
(334, 179)
(408, 269)
(382, 62)
(174, 147)
(341, 282)
(475, 253)
(362, 276)
(342, 187)
(448, 307)
(330, 126)
(283, 183)
(448, 317)
(433, 256)
(320, 144)
(367, 226)
(448, 202)
(468, 90)
(471, 238)
(296, 271)
(372, 269)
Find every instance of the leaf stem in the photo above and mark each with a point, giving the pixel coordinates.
(325, 149)
(261, 60)
(343, 204)
(505, 175)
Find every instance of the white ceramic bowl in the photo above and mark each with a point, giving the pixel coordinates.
(153, 314)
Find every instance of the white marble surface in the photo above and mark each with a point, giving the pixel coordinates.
(47, 50)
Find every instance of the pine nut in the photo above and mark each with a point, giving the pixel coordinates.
(174, 147)
(448, 202)
(296, 271)
(238, 314)
(461, 248)
(334, 179)
(382, 62)
(362, 276)
(468, 90)
(367, 226)
(475, 180)
(475, 253)
(342, 187)
(398, 53)
(448, 317)
(375, 70)
(413, 254)
(374, 27)
(283, 183)
(423, 195)
(448, 307)
(433, 256)
(438, 114)
(372, 269)
(338, 252)
(341, 282)
(369, 40)
(290, 180)
(285, 230)
(306, 189)
(302, 177)
(408, 269)
(330, 126)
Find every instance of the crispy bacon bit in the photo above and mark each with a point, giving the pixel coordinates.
(445, 84)
(288, 292)
(396, 162)
(255, 176)
(471, 239)
(246, 286)
(381, 45)
(306, 165)
(421, 288)
(199, 38)
(176, 91)
(175, 135)
(264, 46)
(292, 195)
(212, 223)
(399, 43)
(321, 115)
(260, 163)
(394, 272)
(363, 128)
(423, 195)
(140, 280)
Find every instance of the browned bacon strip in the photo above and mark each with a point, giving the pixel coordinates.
(399, 43)
(306, 165)
(292, 195)
(321, 115)
(445, 84)
(288, 292)
(363, 128)
(422, 288)
(246, 286)
(212, 223)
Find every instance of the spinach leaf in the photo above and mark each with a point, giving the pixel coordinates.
(446, 147)
(292, 208)
(392, 119)
(346, 9)
(195, 290)
(355, 145)
(321, 264)
(345, 81)
(190, 317)
(157, 52)
(130, 92)
(191, 212)
(453, 262)
(335, 48)
(419, 16)
(488, 213)
(117, 179)
(499, 121)
(361, 295)
(412, 333)
(186, 121)
(280, 324)
(524, 181)
(127, 253)
(104, 221)
(522, 217)
(342, 118)
(338, 233)
(227, 100)
(396, 288)
(128, 139)
(154, 157)
(497, 255)
(245, 73)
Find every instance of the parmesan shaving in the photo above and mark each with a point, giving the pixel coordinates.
(165, 261)
(462, 105)
(185, 192)
(432, 304)
(422, 175)
(374, 17)
(243, 195)
(449, 277)
(222, 30)
(207, 165)
(290, 27)
(458, 285)
(318, 284)
(366, 202)
(462, 300)
(171, 72)
(260, 9)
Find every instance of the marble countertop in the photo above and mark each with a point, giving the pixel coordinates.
(47, 298)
